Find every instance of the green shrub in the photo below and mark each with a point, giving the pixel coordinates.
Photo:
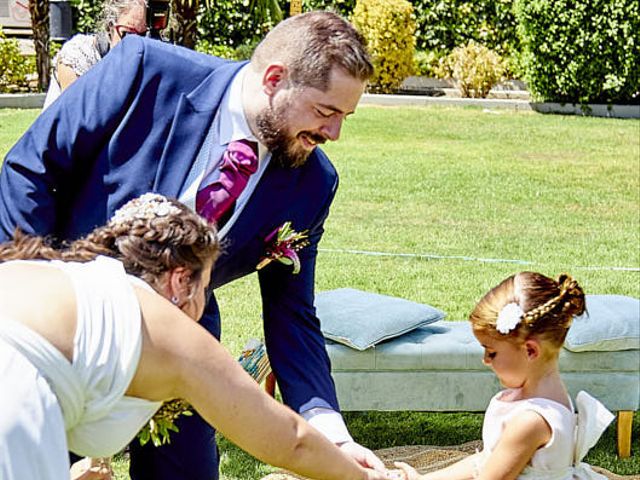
(475, 69)
(444, 25)
(230, 22)
(427, 63)
(222, 51)
(14, 67)
(341, 7)
(388, 27)
(581, 52)
(86, 15)
(243, 52)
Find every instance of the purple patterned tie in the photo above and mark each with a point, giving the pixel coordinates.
(239, 162)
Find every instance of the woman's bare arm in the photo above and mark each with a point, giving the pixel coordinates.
(181, 359)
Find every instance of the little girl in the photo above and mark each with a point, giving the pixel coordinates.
(530, 430)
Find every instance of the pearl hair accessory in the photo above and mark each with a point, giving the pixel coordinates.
(509, 318)
(145, 207)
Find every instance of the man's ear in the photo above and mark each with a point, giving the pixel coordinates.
(533, 348)
(275, 76)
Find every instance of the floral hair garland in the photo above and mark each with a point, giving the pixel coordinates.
(145, 207)
(509, 318)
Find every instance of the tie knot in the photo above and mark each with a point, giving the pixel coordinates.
(247, 147)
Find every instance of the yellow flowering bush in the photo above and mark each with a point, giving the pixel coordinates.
(388, 26)
(475, 69)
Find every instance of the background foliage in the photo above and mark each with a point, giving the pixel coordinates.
(586, 51)
(14, 66)
(233, 23)
(388, 27)
(475, 68)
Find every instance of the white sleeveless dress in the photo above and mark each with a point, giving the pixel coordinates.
(49, 405)
(571, 438)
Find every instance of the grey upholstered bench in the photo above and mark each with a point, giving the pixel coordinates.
(438, 368)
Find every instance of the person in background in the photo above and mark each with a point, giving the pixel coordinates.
(530, 429)
(95, 336)
(119, 19)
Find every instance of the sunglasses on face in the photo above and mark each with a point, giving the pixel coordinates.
(124, 30)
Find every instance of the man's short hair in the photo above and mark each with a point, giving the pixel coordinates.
(310, 45)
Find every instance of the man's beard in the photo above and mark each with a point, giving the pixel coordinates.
(285, 149)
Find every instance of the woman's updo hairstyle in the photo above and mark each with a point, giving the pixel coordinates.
(527, 304)
(150, 235)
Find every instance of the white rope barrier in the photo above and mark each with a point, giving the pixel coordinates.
(464, 258)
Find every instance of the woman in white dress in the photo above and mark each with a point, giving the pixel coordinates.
(531, 430)
(83, 51)
(94, 337)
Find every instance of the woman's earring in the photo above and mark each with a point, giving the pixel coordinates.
(174, 300)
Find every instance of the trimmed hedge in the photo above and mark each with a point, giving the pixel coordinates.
(445, 25)
(581, 52)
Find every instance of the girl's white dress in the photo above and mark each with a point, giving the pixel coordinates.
(49, 405)
(573, 434)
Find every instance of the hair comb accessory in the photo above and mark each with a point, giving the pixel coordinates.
(145, 207)
(509, 318)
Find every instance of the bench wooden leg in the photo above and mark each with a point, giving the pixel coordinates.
(625, 421)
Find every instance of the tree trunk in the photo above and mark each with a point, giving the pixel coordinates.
(185, 14)
(39, 10)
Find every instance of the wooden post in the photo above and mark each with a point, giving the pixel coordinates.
(295, 7)
(625, 421)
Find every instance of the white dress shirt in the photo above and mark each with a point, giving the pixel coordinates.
(228, 125)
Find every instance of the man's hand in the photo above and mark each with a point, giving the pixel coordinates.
(363, 456)
(92, 469)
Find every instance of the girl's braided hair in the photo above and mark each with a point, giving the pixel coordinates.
(150, 235)
(548, 306)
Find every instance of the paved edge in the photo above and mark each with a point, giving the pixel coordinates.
(21, 100)
(596, 110)
(36, 100)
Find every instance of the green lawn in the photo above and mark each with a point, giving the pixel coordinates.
(440, 189)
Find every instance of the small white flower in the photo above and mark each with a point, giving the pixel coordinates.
(509, 318)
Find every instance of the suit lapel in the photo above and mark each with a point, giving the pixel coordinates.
(191, 122)
(268, 207)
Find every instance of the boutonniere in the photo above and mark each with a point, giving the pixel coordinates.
(160, 426)
(284, 243)
(158, 430)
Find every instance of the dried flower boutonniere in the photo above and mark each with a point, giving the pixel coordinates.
(285, 243)
(158, 430)
(162, 424)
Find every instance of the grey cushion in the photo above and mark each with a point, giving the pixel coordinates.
(611, 323)
(362, 319)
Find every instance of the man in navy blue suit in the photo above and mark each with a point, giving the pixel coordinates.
(155, 117)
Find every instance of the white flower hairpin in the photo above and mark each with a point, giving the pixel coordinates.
(509, 318)
(145, 207)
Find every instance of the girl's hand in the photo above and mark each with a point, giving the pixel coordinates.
(406, 472)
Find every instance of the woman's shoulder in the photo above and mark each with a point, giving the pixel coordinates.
(79, 53)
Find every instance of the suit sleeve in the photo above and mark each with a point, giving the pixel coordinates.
(292, 331)
(41, 172)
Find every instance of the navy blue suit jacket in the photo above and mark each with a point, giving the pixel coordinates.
(134, 123)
